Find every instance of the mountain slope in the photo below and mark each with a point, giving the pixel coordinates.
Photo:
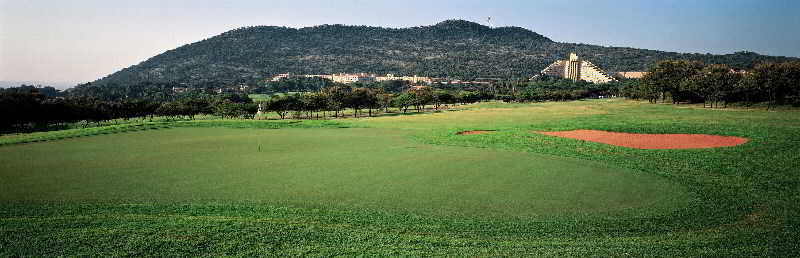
(453, 48)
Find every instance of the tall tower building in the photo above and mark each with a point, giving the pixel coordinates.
(574, 68)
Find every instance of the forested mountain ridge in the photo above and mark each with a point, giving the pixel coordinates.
(453, 48)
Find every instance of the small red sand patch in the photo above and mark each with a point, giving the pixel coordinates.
(475, 132)
(652, 141)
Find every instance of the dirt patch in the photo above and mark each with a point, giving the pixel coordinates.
(475, 132)
(652, 141)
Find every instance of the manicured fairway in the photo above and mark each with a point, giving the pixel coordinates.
(408, 185)
(345, 168)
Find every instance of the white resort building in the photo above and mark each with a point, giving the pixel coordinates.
(357, 77)
(576, 69)
(345, 77)
(413, 79)
(631, 75)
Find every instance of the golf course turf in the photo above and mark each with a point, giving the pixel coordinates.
(379, 168)
(408, 185)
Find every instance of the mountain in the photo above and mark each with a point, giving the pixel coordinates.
(453, 48)
(57, 85)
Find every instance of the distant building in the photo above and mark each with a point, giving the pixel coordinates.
(631, 75)
(447, 82)
(413, 79)
(324, 76)
(576, 69)
(225, 90)
(739, 72)
(345, 77)
(179, 90)
(352, 78)
(281, 77)
(364, 78)
(357, 77)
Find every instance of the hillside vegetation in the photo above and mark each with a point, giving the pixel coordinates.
(453, 48)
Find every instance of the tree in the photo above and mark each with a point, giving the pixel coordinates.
(422, 97)
(171, 109)
(305, 104)
(666, 77)
(317, 102)
(229, 109)
(776, 83)
(360, 98)
(403, 101)
(282, 105)
(19, 108)
(384, 101)
(337, 97)
(372, 101)
(713, 83)
(394, 85)
(466, 97)
(441, 97)
(130, 108)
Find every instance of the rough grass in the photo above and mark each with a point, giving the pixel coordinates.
(740, 201)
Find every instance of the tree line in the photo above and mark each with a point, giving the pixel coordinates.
(28, 109)
(547, 88)
(332, 101)
(681, 81)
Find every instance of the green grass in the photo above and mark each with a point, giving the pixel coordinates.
(148, 125)
(379, 169)
(408, 185)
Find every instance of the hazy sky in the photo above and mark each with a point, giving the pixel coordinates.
(83, 40)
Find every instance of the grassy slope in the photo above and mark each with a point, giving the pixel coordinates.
(746, 197)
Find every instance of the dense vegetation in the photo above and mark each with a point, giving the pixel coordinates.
(695, 82)
(23, 111)
(27, 109)
(450, 49)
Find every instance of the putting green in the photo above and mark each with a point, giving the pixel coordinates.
(344, 168)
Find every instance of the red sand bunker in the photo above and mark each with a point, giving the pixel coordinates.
(474, 132)
(652, 141)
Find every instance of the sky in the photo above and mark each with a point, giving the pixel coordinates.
(77, 41)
